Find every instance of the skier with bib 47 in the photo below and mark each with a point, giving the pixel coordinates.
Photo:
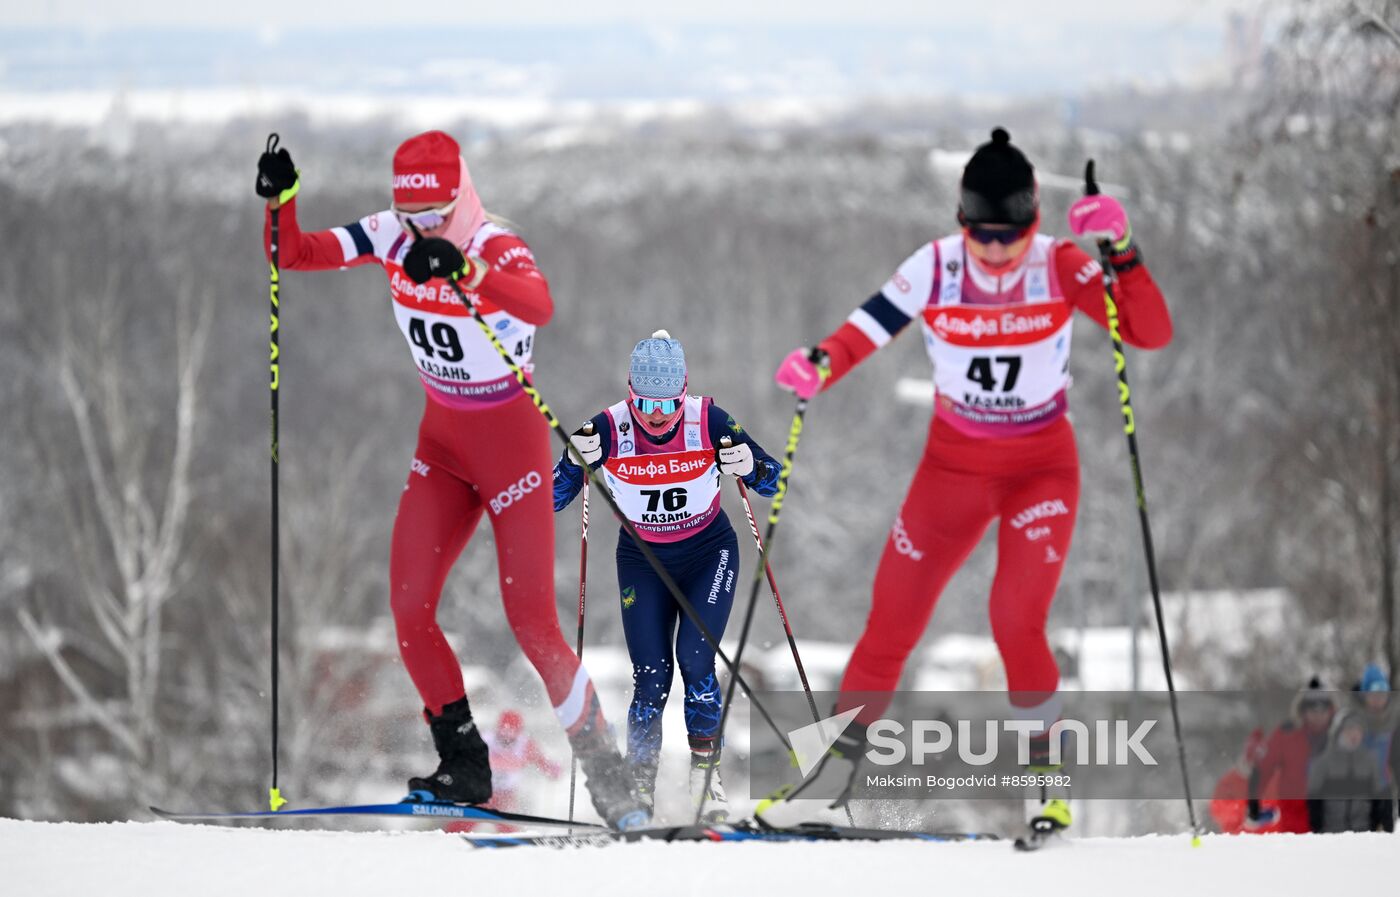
(482, 448)
(662, 453)
(996, 302)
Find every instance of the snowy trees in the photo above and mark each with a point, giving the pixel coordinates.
(1324, 135)
(132, 352)
(117, 464)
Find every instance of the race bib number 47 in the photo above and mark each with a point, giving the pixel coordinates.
(998, 358)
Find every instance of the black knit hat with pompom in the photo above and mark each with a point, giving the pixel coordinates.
(998, 185)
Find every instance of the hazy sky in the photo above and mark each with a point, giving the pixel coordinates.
(609, 50)
(274, 13)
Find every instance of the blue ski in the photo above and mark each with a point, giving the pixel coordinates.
(420, 809)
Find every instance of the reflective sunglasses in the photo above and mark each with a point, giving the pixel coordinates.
(427, 219)
(647, 406)
(987, 235)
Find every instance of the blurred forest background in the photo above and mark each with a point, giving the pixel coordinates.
(133, 387)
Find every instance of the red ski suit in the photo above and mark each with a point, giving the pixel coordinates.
(999, 446)
(482, 448)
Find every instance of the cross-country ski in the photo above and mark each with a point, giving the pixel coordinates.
(413, 809)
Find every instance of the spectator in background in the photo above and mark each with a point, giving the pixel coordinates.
(1345, 781)
(1229, 804)
(513, 754)
(1381, 715)
(1282, 771)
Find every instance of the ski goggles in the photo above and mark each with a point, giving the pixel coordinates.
(647, 406)
(665, 406)
(988, 235)
(426, 219)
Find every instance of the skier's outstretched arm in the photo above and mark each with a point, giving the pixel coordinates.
(279, 182)
(319, 250)
(872, 326)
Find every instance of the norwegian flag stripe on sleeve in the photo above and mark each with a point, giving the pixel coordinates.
(879, 319)
(354, 242)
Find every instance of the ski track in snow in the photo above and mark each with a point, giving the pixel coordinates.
(146, 859)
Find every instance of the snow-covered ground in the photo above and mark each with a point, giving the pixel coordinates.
(144, 859)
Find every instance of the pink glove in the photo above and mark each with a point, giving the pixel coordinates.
(1101, 217)
(798, 374)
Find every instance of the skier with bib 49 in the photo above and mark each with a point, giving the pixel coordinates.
(482, 448)
(662, 454)
(996, 302)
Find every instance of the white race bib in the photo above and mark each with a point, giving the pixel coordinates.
(999, 364)
(667, 494)
(456, 361)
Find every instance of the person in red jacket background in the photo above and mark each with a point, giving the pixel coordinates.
(1282, 770)
(514, 752)
(483, 448)
(996, 302)
(1229, 804)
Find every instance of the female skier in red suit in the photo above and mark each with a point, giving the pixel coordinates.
(996, 302)
(482, 447)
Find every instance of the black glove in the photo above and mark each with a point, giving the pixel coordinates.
(431, 257)
(276, 173)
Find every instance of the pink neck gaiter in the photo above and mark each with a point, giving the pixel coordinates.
(468, 215)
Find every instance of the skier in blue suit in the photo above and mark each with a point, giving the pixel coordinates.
(662, 452)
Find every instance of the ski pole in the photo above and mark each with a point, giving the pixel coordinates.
(589, 474)
(725, 442)
(774, 511)
(582, 591)
(1120, 363)
(275, 799)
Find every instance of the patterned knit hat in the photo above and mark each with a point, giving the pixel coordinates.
(658, 367)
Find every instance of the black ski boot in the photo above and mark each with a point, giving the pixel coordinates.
(607, 776)
(464, 775)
